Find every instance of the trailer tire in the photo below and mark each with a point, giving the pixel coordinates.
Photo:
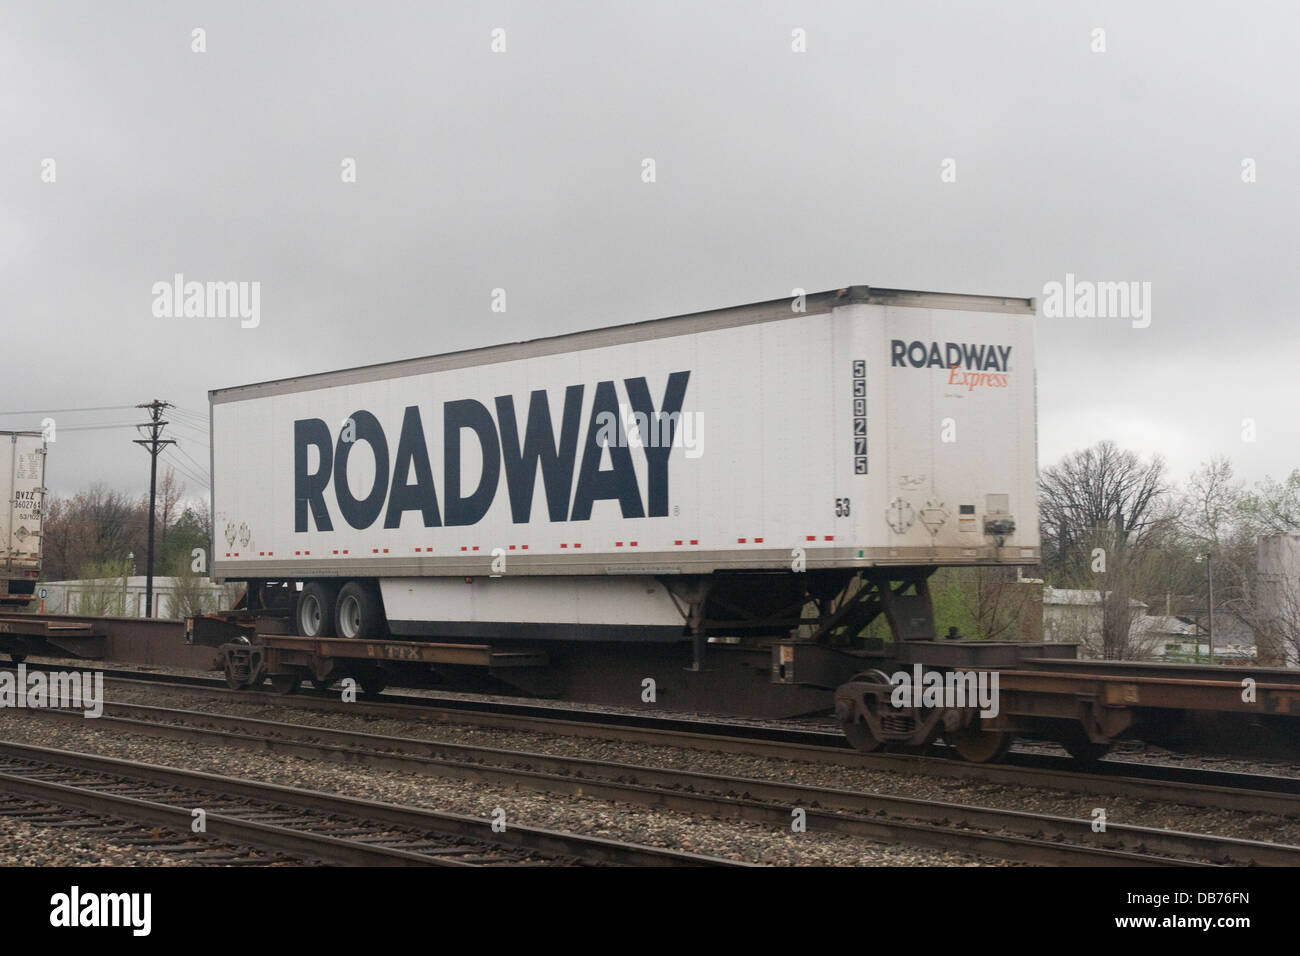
(359, 612)
(314, 615)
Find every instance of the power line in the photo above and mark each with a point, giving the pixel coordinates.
(70, 411)
(194, 431)
(90, 428)
(187, 472)
(193, 418)
(201, 468)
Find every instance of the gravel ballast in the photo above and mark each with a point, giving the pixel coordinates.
(730, 840)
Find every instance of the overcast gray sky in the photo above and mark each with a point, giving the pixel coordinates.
(522, 170)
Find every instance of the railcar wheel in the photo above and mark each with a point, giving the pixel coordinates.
(371, 682)
(975, 745)
(286, 683)
(1078, 746)
(858, 733)
(315, 611)
(860, 736)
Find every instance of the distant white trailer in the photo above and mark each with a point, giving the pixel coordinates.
(127, 597)
(706, 473)
(1278, 611)
(22, 506)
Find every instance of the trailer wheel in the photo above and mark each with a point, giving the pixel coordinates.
(315, 612)
(360, 612)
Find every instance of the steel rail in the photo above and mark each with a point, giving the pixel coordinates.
(1009, 834)
(515, 839)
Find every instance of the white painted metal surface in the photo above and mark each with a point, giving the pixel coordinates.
(839, 436)
(22, 494)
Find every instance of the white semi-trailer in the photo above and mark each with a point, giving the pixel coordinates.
(744, 473)
(22, 505)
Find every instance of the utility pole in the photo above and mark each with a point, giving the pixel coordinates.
(1208, 557)
(153, 444)
(1209, 573)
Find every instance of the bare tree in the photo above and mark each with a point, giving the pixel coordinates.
(1100, 491)
(170, 492)
(93, 526)
(998, 603)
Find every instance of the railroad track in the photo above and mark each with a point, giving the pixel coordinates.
(103, 828)
(310, 825)
(1006, 834)
(1218, 789)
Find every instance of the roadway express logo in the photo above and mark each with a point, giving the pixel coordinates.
(404, 479)
(969, 365)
